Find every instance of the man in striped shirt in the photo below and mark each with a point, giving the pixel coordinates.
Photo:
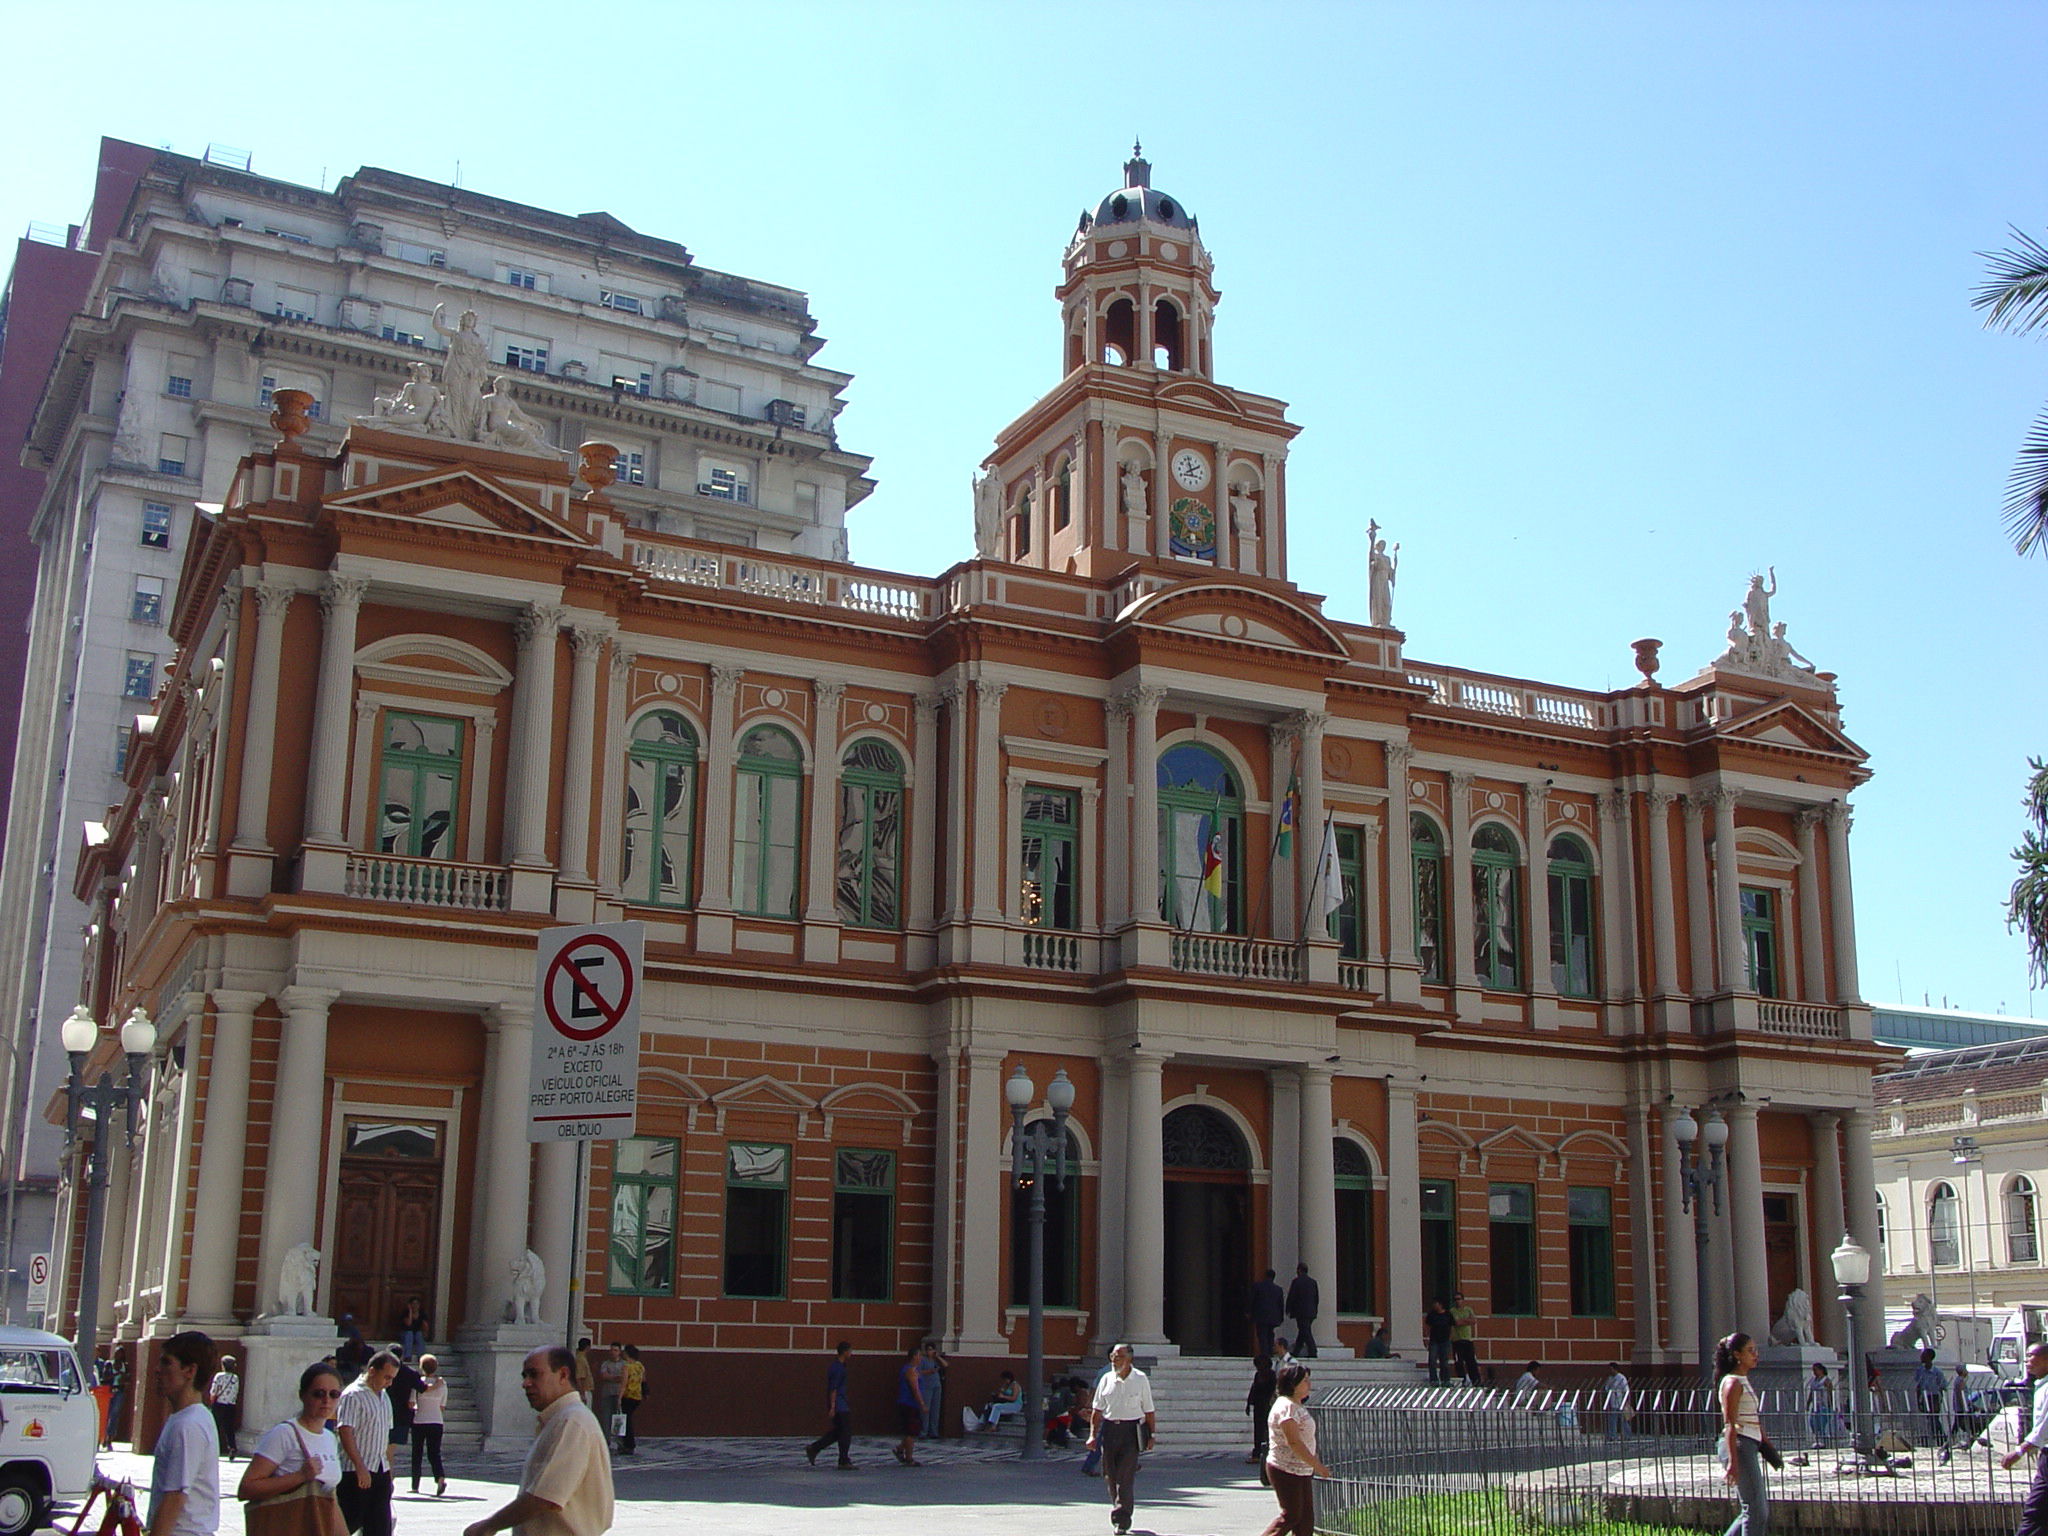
(363, 1422)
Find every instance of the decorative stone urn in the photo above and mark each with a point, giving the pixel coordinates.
(291, 413)
(1646, 658)
(597, 471)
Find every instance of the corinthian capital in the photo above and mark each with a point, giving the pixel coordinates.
(725, 681)
(538, 622)
(274, 597)
(341, 591)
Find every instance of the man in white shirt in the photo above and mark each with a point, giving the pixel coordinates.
(362, 1420)
(1122, 1407)
(2034, 1513)
(1618, 1394)
(565, 1488)
(184, 1488)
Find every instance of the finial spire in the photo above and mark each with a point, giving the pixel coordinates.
(1137, 169)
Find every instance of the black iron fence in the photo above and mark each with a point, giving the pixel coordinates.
(1466, 1462)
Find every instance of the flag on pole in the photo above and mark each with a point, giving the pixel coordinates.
(1212, 867)
(1290, 812)
(1330, 874)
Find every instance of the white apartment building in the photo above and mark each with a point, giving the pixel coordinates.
(220, 287)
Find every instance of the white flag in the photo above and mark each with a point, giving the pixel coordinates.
(1330, 874)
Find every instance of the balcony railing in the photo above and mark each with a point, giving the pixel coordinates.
(1799, 1021)
(426, 883)
(1206, 954)
(1504, 696)
(785, 580)
(1047, 950)
(1354, 976)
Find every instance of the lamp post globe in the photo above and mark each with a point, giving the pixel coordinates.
(138, 1035)
(79, 1033)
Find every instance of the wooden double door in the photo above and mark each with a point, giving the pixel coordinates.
(387, 1230)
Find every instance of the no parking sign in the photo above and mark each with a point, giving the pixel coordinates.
(585, 1079)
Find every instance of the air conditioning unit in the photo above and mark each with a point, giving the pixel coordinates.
(785, 413)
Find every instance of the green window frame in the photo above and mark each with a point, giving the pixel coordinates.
(1496, 908)
(1511, 1248)
(1426, 855)
(1570, 882)
(1049, 886)
(1347, 926)
(1439, 1205)
(1200, 806)
(863, 1224)
(1760, 939)
(1944, 1227)
(1355, 1253)
(868, 875)
(767, 823)
(641, 1247)
(757, 1220)
(1589, 1216)
(656, 863)
(1062, 1234)
(419, 775)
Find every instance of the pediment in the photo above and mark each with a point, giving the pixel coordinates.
(1197, 392)
(1225, 610)
(458, 498)
(763, 1094)
(1786, 724)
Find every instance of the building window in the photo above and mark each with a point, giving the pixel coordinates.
(1439, 1240)
(863, 1225)
(1020, 530)
(1062, 1235)
(1049, 839)
(661, 781)
(265, 388)
(1760, 939)
(869, 877)
(1347, 924)
(2022, 1222)
(1062, 498)
(156, 525)
(756, 1219)
(1944, 1227)
(527, 278)
(178, 384)
(1201, 841)
(1571, 918)
(764, 865)
(624, 303)
(138, 677)
(124, 738)
(296, 303)
(1884, 1226)
(723, 482)
(630, 468)
(1590, 1215)
(527, 358)
(1426, 851)
(170, 453)
(643, 1236)
(402, 332)
(1354, 1226)
(634, 383)
(147, 605)
(420, 773)
(1511, 1248)
(1496, 908)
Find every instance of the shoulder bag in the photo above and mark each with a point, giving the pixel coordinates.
(308, 1510)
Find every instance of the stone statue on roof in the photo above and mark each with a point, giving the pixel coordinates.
(1756, 644)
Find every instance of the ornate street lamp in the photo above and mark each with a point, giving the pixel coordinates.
(1851, 1263)
(102, 1100)
(1699, 1174)
(1039, 1144)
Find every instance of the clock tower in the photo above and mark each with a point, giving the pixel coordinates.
(1137, 456)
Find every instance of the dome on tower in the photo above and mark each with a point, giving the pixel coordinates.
(1139, 199)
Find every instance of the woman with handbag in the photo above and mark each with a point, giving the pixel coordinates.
(296, 1467)
(1744, 1450)
(632, 1391)
(429, 1421)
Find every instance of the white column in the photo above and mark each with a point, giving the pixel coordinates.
(1144, 864)
(946, 1198)
(1830, 1221)
(259, 730)
(1859, 1181)
(1746, 1222)
(506, 1158)
(1728, 893)
(1698, 904)
(1536, 808)
(821, 901)
(1369, 898)
(1663, 917)
(1464, 962)
(291, 1200)
(1317, 1230)
(1617, 917)
(1090, 916)
(957, 888)
(984, 1206)
(924, 813)
(217, 1201)
(1681, 1256)
(1847, 987)
(1813, 958)
(1145, 1203)
(716, 777)
(1116, 824)
(533, 732)
(986, 839)
(1308, 749)
(1404, 1219)
(586, 642)
(612, 805)
(1284, 877)
(1400, 860)
(341, 601)
(556, 1233)
(1643, 1251)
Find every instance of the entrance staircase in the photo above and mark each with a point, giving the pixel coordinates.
(1201, 1398)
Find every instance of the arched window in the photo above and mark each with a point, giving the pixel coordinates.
(2022, 1222)
(1196, 1136)
(1166, 336)
(1120, 333)
(765, 821)
(1020, 528)
(1571, 917)
(661, 781)
(1201, 841)
(420, 772)
(1354, 1226)
(1884, 1231)
(1062, 1235)
(1496, 907)
(1426, 847)
(870, 868)
(1944, 1227)
(1062, 496)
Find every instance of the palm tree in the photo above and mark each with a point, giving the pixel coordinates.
(2028, 908)
(2016, 298)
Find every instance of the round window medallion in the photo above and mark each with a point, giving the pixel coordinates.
(1052, 718)
(1494, 801)
(1419, 790)
(877, 713)
(1234, 625)
(772, 697)
(1169, 250)
(1119, 248)
(1569, 812)
(668, 682)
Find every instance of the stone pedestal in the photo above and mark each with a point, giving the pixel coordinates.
(275, 1350)
(1895, 1368)
(494, 1357)
(1788, 1367)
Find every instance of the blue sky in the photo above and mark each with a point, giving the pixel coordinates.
(1596, 307)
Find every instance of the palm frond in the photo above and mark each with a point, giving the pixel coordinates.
(2026, 910)
(2016, 293)
(2026, 492)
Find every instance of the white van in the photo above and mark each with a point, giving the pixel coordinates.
(49, 1428)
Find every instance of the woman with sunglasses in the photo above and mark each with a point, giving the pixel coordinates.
(299, 1459)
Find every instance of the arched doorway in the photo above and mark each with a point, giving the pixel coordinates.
(1208, 1232)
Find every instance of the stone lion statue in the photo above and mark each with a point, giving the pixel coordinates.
(298, 1277)
(529, 1279)
(1920, 1332)
(1796, 1326)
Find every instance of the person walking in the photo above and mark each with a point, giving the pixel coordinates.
(2034, 1511)
(1304, 1299)
(1742, 1434)
(586, 1372)
(1929, 1387)
(909, 1408)
(1258, 1402)
(1291, 1462)
(1268, 1310)
(184, 1484)
(1124, 1422)
(632, 1392)
(565, 1487)
(931, 1381)
(611, 1381)
(363, 1420)
(838, 1412)
(294, 1462)
(429, 1423)
(117, 1404)
(1820, 1405)
(402, 1394)
(1436, 1332)
(1617, 1405)
(224, 1397)
(1464, 1345)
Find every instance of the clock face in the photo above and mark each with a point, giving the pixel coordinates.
(1190, 469)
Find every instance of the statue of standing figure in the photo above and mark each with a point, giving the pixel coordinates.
(1756, 603)
(1383, 566)
(1134, 491)
(988, 516)
(464, 375)
(1755, 643)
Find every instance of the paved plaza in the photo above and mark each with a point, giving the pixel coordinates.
(747, 1487)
